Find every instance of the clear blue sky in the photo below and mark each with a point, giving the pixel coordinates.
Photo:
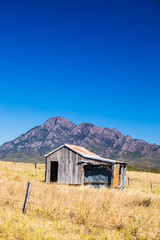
(94, 61)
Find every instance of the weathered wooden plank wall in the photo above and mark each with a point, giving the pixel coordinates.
(69, 169)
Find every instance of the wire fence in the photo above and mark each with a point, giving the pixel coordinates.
(154, 186)
(36, 197)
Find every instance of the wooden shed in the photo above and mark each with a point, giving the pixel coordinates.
(71, 164)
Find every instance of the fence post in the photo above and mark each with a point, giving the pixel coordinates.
(151, 186)
(35, 165)
(27, 197)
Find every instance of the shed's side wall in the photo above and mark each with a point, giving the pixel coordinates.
(119, 175)
(70, 169)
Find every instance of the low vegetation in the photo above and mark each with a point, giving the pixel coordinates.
(69, 212)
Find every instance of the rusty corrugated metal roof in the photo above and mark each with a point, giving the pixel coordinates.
(83, 151)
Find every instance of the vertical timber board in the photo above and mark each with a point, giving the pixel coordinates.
(116, 175)
(82, 175)
(67, 162)
(80, 170)
(120, 176)
(60, 165)
(48, 169)
(71, 167)
(68, 165)
(46, 166)
(124, 177)
(112, 175)
(65, 165)
(76, 169)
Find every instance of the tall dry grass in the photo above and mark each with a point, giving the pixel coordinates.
(69, 212)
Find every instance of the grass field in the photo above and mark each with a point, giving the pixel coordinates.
(69, 212)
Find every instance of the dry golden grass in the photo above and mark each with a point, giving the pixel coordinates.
(69, 212)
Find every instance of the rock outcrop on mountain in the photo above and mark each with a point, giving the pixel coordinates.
(105, 142)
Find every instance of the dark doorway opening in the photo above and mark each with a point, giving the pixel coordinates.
(54, 171)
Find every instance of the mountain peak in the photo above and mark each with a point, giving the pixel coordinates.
(118, 133)
(51, 122)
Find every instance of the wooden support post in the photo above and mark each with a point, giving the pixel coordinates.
(27, 197)
(112, 175)
(128, 181)
(151, 186)
(35, 165)
(124, 177)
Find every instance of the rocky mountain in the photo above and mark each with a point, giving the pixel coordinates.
(109, 143)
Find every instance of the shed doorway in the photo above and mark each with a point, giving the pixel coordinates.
(54, 172)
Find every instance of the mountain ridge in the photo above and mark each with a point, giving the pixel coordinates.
(106, 142)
